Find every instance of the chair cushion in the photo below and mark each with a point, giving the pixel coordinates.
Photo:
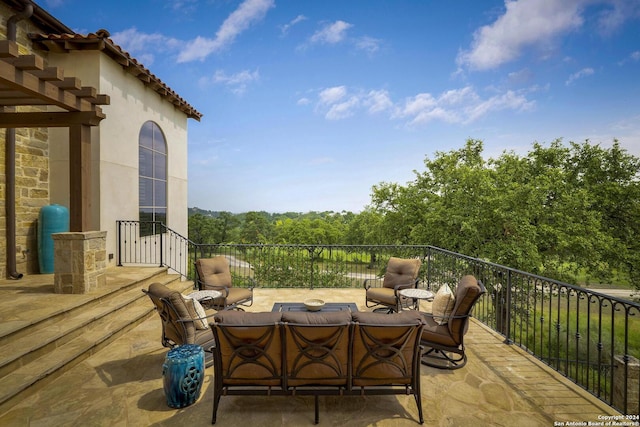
(401, 271)
(442, 305)
(383, 295)
(467, 292)
(238, 294)
(214, 272)
(433, 332)
(197, 312)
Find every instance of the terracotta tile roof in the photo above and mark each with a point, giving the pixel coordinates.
(100, 40)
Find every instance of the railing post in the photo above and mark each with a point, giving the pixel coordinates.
(507, 319)
(119, 243)
(161, 246)
(428, 267)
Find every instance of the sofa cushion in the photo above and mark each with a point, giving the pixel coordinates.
(316, 318)
(443, 304)
(402, 318)
(247, 318)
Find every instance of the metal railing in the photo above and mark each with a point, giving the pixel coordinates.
(591, 338)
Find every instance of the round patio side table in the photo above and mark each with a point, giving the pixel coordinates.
(183, 372)
(416, 295)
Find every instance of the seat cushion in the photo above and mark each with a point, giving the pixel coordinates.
(382, 295)
(238, 294)
(442, 305)
(436, 333)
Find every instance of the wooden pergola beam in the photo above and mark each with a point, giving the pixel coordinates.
(51, 119)
(24, 81)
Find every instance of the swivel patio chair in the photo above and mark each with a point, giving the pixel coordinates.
(443, 335)
(183, 322)
(400, 274)
(214, 274)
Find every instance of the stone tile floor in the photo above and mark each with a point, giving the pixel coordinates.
(122, 386)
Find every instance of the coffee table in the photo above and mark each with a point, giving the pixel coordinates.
(328, 307)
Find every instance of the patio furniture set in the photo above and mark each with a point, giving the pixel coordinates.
(334, 350)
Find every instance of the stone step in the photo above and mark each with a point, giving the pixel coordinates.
(37, 316)
(39, 353)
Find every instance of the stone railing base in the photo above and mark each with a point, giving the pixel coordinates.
(79, 261)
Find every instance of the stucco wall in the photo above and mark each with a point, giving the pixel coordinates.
(115, 166)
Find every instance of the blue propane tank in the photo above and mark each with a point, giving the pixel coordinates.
(52, 219)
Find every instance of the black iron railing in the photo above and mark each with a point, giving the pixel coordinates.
(591, 338)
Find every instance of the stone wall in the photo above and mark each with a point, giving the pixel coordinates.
(32, 175)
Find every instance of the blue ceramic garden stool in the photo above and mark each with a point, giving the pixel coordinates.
(182, 372)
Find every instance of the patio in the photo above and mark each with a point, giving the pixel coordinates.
(122, 385)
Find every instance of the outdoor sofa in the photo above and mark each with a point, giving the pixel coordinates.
(304, 353)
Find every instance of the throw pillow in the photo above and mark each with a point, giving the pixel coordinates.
(442, 305)
(196, 311)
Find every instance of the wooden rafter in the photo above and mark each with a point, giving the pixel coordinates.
(25, 81)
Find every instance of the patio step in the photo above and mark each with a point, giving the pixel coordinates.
(74, 328)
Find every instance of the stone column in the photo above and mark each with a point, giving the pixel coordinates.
(633, 373)
(79, 260)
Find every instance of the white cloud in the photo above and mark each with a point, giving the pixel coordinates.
(368, 44)
(342, 110)
(303, 101)
(142, 45)
(509, 100)
(332, 95)
(580, 74)
(633, 57)
(236, 83)
(378, 101)
(284, 29)
(525, 23)
(618, 11)
(331, 33)
(249, 12)
(458, 106)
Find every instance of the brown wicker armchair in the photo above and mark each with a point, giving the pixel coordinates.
(400, 274)
(214, 274)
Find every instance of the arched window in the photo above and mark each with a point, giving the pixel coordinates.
(153, 178)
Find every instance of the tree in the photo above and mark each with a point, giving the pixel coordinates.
(560, 210)
(201, 229)
(256, 228)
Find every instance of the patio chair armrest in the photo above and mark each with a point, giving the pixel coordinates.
(366, 284)
(458, 316)
(222, 289)
(193, 319)
(402, 286)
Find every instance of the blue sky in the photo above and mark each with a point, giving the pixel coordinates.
(308, 104)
